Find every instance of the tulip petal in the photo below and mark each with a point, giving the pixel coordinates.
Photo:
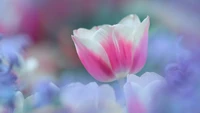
(149, 91)
(85, 38)
(131, 20)
(144, 79)
(125, 31)
(90, 98)
(124, 46)
(74, 97)
(68, 93)
(106, 92)
(141, 43)
(117, 47)
(133, 78)
(91, 46)
(139, 91)
(106, 40)
(92, 43)
(19, 102)
(83, 33)
(71, 97)
(134, 104)
(142, 31)
(96, 63)
(105, 26)
(103, 34)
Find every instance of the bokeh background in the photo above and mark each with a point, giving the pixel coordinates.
(49, 24)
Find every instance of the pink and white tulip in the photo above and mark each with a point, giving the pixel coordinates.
(140, 91)
(110, 52)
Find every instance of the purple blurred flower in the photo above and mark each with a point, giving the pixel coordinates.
(10, 49)
(181, 94)
(181, 74)
(47, 93)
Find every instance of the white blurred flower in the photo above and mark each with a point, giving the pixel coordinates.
(22, 105)
(21, 102)
(90, 98)
(29, 65)
(139, 91)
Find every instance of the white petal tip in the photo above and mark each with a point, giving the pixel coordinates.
(132, 15)
(18, 93)
(75, 32)
(146, 20)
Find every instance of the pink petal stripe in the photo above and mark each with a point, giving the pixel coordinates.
(93, 63)
(112, 52)
(119, 52)
(125, 53)
(135, 106)
(140, 54)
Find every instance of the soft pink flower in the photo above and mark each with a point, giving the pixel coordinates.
(109, 52)
(139, 91)
(10, 16)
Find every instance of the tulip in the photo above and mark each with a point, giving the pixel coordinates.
(20, 103)
(110, 52)
(40, 101)
(90, 98)
(139, 91)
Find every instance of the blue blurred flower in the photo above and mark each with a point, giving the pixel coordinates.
(10, 49)
(47, 93)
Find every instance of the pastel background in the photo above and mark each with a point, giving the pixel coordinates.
(47, 26)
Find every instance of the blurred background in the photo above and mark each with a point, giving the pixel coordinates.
(49, 25)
